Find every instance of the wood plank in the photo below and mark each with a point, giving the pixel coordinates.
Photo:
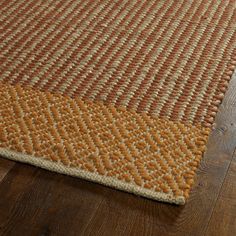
(12, 189)
(5, 167)
(38, 202)
(223, 220)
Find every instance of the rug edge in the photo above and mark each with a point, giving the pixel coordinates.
(93, 177)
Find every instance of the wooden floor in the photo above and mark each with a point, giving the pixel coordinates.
(38, 202)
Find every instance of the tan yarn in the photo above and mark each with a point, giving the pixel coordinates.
(121, 92)
(172, 59)
(101, 139)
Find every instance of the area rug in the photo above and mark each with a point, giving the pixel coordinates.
(119, 92)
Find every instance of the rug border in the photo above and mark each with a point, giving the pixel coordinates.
(93, 177)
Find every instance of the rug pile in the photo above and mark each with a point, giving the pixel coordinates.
(119, 92)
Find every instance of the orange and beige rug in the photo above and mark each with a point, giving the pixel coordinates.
(119, 92)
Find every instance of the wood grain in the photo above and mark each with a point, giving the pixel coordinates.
(5, 166)
(37, 202)
(223, 219)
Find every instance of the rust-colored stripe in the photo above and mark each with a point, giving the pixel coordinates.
(169, 59)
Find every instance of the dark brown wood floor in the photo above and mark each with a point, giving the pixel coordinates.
(38, 202)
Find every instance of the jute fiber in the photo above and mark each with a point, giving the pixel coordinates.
(119, 92)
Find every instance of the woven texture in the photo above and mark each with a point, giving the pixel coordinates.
(126, 90)
(112, 142)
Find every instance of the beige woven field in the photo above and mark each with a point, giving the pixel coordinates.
(122, 92)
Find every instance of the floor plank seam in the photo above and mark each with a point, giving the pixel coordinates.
(234, 152)
(1, 180)
(92, 216)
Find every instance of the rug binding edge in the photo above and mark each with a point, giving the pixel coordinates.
(94, 177)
